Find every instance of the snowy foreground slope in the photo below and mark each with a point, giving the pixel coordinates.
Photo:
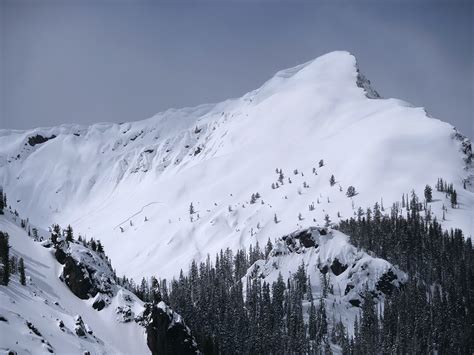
(131, 185)
(47, 303)
(45, 316)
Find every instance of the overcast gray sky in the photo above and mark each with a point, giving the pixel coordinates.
(89, 61)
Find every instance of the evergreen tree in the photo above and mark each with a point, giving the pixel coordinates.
(253, 199)
(278, 311)
(428, 193)
(312, 322)
(69, 234)
(100, 248)
(4, 258)
(454, 199)
(351, 191)
(22, 272)
(1, 200)
(369, 325)
(281, 177)
(93, 244)
(332, 180)
(327, 220)
(430, 312)
(301, 278)
(321, 323)
(268, 248)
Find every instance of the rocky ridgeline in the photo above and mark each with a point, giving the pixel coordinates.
(328, 252)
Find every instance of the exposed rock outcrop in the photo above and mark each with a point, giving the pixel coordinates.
(77, 279)
(88, 274)
(39, 139)
(166, 331)
(327, 253)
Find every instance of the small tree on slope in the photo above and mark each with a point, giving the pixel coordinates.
(428, 193)
(22, 271)
(351, 191)
(1, 200)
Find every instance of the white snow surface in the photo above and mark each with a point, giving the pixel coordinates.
(107, 178)
(45, 301)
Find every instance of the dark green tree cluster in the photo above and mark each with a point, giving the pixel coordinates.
(266, 318)
(3, 200)
(57, 232)
(443, 186)
(9, 265)
(69, 234)
(4, 259)
(433, 312)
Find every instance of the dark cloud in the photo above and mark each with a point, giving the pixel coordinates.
(89, 61)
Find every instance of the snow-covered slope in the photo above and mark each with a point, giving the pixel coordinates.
(79, 308)
(42, 316)
(131, 184)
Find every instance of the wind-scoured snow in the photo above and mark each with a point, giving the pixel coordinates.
(106, 179)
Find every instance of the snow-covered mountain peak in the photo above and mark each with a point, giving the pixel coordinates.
(335, 73)
(132, 184)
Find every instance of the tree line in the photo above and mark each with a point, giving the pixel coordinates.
(433, 311)
(228, 316)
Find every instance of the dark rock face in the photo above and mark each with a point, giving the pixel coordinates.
(99, 304)
(364, 83)
(306, 239)
(324, 269)
(385, 283)
(355, 303)
(302, 239)
(85, 272)
(39, 139)
(165, 335)
(80, 328)
(89, 275)
(337, 268)
(348, 289)
(77, 279)
(60, 255)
